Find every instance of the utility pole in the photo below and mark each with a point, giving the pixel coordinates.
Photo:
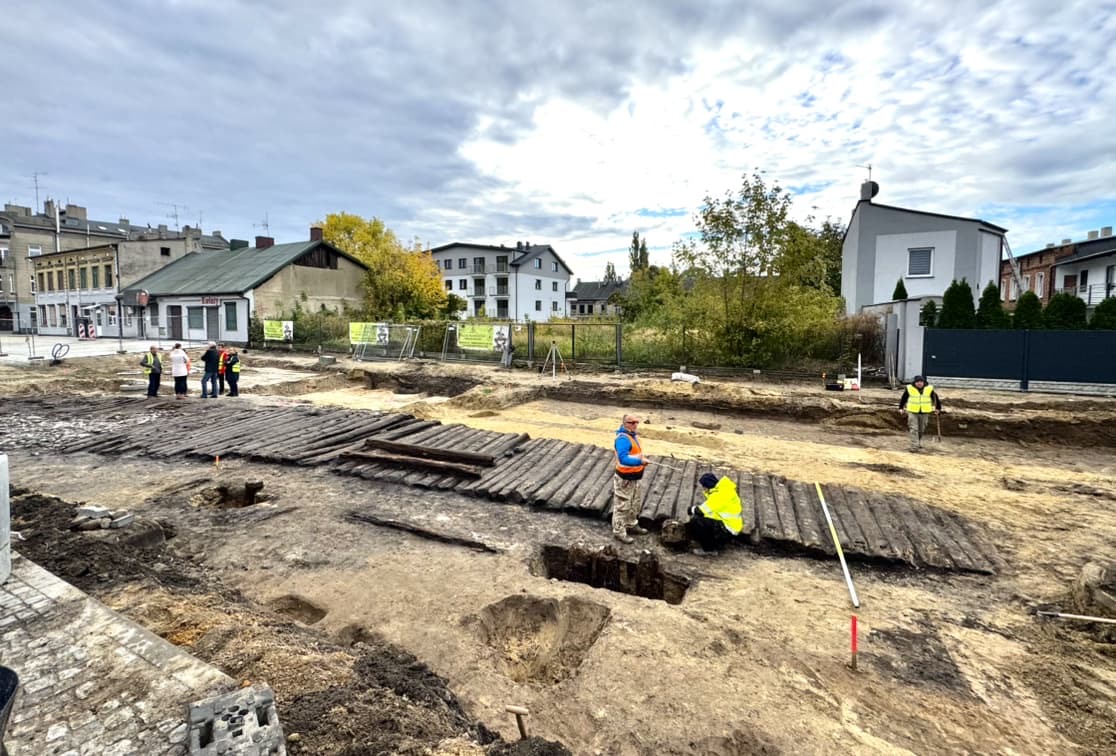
(35, 178)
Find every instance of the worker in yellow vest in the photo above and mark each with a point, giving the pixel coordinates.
(232, 371)
(717, 520)
(153, 369)
(919, 400)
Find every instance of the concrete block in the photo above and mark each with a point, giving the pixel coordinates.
(123, 521)
(244, 721)
(91, 510)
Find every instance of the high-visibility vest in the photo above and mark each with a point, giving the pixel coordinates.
(149, 362)
(920, 402)
(221, 362)
(235, 367)
(635, 452)
(723, 503)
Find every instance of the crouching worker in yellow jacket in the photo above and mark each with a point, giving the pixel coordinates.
(719, 519)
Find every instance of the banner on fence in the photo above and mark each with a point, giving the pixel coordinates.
(368, 333)
(487, 338)
(278, 330)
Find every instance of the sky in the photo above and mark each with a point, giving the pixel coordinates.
(565, 122)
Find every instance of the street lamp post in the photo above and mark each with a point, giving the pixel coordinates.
(120, 322)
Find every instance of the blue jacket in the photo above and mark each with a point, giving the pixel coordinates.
(626, 443)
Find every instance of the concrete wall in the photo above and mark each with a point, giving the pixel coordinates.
(904, 335)
(322, 286)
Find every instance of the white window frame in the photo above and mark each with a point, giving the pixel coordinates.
(1040, 283)
(538, 305)
(34, 250)
(554, 266)
(920, 275)
(554, 305)
(538, 263)
(538, 284)
(1027, 283)
(554, 286)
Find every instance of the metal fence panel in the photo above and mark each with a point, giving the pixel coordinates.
(973, 353)
(1077, 356)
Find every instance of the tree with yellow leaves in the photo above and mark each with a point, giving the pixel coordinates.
(402, 282)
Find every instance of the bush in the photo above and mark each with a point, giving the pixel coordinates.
(1064, 312)
(900, 290)
(957, 306)
(1104, 316)
(1028, 312)
(990, 313)
(928, 315)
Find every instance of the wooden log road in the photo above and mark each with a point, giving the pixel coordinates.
(503, 467)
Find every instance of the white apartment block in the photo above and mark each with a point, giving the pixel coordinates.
(524, 282)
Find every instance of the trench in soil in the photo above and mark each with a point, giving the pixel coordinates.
(644, 577)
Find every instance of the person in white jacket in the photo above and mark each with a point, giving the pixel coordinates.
(180, 369)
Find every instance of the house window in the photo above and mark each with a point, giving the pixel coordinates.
(83, 278)
(1040, 284)
(96, 271)
(1026, 283)
(501, 263)
(1003, 290)
(461, 263)
(230, 316)
(581, 309)
(920, 262)
(554, 306)
(72, 276)
(42, 314)
(42, 285)
(447, 264)
(50, 280)
(538, 305)
(478, 265)
(463, 284)
(449, 285)
(195, 318)
(34, 250)
(554, 286)
(538, 263)
(108, 276)
(554, 266)
(1083, 281)
(3, 254)
(62, 316)
(538, 284)
(590, 309)
(53, 316)
(1014, 289)
(164, 251)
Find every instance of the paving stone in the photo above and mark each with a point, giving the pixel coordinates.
(56, 731)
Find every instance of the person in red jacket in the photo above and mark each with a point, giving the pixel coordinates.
(223, 351)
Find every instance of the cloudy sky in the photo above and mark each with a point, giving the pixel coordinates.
(566, 122)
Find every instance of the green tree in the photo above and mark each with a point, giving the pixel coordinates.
(928, 315)
(957, 306)
(900, 290)
(1064, 312)
(990, 311)
(402, 282)
(831, 239)
(1104, 316)
(455, 305)
(637, 254)
(610, 273)
(1028, 312)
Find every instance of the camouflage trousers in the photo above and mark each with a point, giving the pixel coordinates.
(917, 423)
(626, 502)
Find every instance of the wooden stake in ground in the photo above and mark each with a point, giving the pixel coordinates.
(837, 545)
(853, 640)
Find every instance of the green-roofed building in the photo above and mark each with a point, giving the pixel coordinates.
(211, 295)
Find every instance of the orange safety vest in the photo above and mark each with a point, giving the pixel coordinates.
(636, 450)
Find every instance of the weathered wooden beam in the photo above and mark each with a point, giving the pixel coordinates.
(430, 452)
(408, 462)
(419, 530)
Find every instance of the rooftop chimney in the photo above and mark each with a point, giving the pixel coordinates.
(263, 242)
(238, 244)
(1050, 245)
(1106, 231)
(76, 211)
(316, 233)
(868, 190)
(1067, 241)
(1094, 235)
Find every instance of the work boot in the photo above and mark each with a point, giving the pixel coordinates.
(637, 530)
(623, 538)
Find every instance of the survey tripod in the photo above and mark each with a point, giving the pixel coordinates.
(554, 359)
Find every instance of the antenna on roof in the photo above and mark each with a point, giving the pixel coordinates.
(869, 167)
(35, 178)
(173, 214)
(264, 225)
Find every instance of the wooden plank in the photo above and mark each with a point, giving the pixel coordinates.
(809, 518)
(567, 467)
(684, 493)
(767, 516)
(927, 549)
(408, 463)
(602, 480)
(891, 527)
(419, 530)
(852, 538)
(430, 452)
(542, 473)
(665, 480)
(878, 543)
(784, 506)
(527, 464)
(746, 490)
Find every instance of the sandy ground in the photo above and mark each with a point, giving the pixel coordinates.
(755, 659)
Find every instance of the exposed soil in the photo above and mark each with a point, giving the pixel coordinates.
(377, 641)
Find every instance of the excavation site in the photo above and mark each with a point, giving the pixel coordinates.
(410, 557)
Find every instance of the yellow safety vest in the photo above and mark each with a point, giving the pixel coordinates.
(723, 503)
(236, 366)
(917, 402)
(149, 363)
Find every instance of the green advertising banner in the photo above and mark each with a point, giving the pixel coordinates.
(368, 333)
(475, 337)
(278, 330)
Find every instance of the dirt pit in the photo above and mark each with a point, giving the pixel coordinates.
(604, 568)
(541, 640)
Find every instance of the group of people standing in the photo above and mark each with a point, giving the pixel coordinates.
(221, 366)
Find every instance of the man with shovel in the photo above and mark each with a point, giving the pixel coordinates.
(918, 401)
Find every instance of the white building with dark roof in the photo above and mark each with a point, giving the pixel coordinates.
(524, 282)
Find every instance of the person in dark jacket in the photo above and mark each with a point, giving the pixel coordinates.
(153, 369)
(211, 361)
(232, 371)
(919, 400)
